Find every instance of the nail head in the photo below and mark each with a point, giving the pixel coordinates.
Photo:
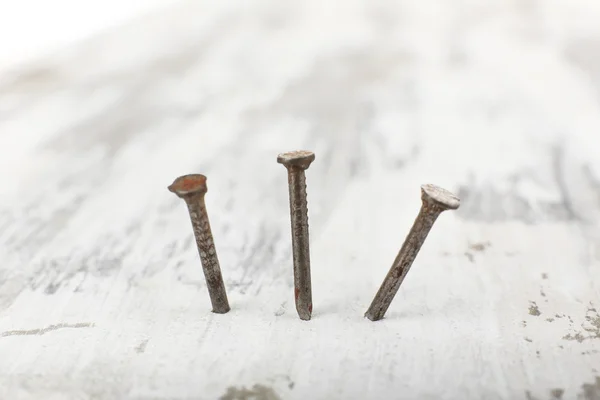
(439, 196)
(189, 184)
(299, 158)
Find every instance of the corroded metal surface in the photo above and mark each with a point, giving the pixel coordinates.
(435, 201)
(296, 163)
(192, 189)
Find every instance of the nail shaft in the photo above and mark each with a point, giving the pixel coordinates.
(435, 201)
(296, 163)
(192, 189)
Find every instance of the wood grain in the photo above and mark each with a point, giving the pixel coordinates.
(101, 290)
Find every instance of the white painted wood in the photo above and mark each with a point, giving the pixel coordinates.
(101, 291)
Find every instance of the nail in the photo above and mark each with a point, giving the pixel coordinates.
(296, 163)
(435, 200)
(192, 189)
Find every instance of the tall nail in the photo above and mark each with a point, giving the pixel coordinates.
(435, 200)
(192, 189)
(296, 163)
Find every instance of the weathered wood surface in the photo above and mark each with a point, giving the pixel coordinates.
(101, 290)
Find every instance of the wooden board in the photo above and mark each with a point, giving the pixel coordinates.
(101, 291)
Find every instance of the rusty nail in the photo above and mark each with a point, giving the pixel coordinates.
(296, 163)
(435, 200)
(192, 189)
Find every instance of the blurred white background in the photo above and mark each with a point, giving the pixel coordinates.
(32, 28)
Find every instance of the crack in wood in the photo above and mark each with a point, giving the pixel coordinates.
(42, 331)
